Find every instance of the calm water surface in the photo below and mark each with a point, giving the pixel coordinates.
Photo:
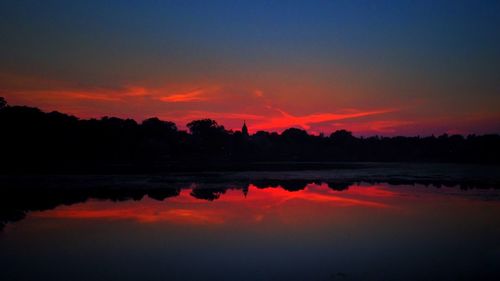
(365, 232)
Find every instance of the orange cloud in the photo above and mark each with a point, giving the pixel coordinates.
(137, 91)
(196, 95)
(90, 96)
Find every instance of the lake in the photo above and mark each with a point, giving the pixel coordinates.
(262, 229)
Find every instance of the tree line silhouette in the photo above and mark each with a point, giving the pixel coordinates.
(35, 141)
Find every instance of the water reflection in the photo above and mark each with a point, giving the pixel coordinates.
(291, 230)
(17, 201)
(252, 205)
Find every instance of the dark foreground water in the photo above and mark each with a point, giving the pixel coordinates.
(314, 232)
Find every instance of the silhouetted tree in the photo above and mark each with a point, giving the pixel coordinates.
(342, 136)
(3, 103)
(35, 141)
(295, 134)
(158, 128)
(209, 138)
(205, 128)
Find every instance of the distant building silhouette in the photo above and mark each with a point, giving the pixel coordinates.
(244, 129)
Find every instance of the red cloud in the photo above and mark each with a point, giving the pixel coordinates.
(287, 120)
(230, 104)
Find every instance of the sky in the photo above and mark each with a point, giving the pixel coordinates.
(371, 67)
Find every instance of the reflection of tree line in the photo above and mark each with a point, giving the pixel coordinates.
(16, 201)
(46, 142)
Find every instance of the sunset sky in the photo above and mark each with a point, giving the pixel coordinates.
(372, 67)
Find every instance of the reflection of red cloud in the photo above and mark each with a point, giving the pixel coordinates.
(146, 212)
(259, 204)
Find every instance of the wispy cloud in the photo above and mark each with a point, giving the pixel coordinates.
(90, 96)
(196, 95)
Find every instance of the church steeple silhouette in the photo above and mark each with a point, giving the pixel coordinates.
(245, 191)
(244, 129)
